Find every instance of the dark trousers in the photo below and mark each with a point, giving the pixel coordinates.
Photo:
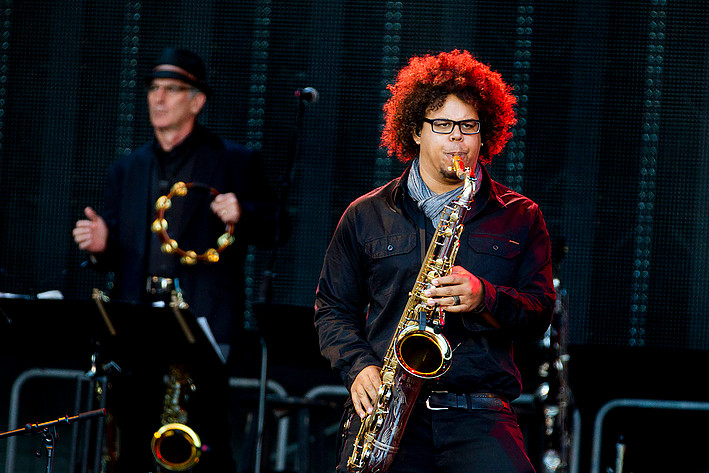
(452, 441)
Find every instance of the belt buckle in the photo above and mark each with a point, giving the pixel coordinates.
(159, 285)
(431, 408)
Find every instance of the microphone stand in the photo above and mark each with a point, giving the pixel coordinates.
(293, 149)
(48, 430)
(266, 290)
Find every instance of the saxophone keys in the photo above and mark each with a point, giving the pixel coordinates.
(441, 320)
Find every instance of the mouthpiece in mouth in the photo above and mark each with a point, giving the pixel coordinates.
(458, 167)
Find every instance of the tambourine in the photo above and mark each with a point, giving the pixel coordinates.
(170, 246)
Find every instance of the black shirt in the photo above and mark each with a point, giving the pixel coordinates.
(170, 167)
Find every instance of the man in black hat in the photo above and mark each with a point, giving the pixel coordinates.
(119, 239)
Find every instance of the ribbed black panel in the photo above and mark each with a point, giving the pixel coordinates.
(611, 140)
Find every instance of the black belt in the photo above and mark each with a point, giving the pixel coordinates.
(441, 400)
(156, 285)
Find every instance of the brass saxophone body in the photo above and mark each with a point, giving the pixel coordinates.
(417, 351)
(175, 446)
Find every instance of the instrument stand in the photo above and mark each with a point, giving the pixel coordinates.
(48, 432)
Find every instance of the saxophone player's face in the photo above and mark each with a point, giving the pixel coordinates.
(437, 149)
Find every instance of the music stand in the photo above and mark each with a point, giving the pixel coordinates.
(29, 325)
(129, 334)
(168, 334)
(147, 342)
(161, 332)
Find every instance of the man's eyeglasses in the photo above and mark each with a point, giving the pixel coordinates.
(170, 88)
(445, 127)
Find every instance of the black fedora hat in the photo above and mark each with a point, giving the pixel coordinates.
(181, 64)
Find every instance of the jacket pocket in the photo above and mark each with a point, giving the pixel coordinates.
(489, 245)
(494, 258)
(390, 265)
(390, 245)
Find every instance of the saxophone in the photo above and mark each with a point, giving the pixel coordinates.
(175, 446)
(417, 351)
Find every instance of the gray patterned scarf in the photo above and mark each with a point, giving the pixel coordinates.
(430, 203)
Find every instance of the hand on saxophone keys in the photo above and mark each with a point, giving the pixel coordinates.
(460, 291)
(364, 390)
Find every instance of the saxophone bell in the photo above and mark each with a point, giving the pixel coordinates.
(176, 446)
(423, 353)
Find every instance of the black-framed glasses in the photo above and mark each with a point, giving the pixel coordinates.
(445, 127)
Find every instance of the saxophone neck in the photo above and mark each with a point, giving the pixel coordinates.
(459, 167)
(470, 186)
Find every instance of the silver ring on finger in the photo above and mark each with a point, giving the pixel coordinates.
(456, 300)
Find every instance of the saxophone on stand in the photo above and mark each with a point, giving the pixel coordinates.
(417, 351)
(176, 446)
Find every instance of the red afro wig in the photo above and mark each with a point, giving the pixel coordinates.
(424, 84)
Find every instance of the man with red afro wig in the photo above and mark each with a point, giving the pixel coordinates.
(444, 108)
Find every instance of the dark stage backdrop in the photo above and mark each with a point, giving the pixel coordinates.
(611, 140)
